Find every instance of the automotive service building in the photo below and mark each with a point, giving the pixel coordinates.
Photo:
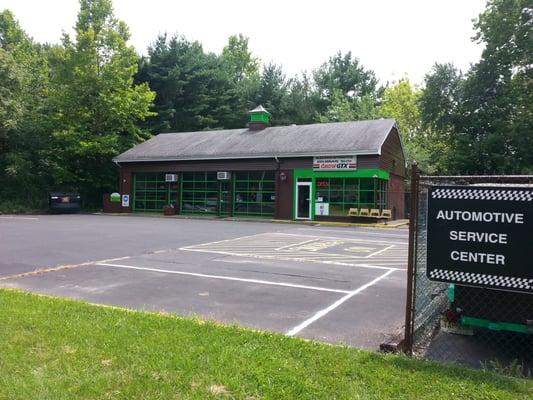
(335, 171)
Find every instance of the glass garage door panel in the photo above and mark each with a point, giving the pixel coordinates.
(255, 193)
(151, 192)
(225, 198)
(199, 193)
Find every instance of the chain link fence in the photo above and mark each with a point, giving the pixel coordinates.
(475, 326)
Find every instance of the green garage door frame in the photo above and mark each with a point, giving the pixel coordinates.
(254, 192)
(310, 174)
(151, 190)
(201, 191)
(249, 194)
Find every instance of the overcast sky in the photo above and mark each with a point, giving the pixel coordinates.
(395, 38)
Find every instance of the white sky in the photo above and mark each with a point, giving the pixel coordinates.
(395, 38)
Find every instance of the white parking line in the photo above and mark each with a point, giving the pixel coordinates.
(309, 248)
(295, 244)
(358, 232)
(227, 278)
(303, 258)
(40, 271)
(325, 311)
(380, 251)
(354, 239)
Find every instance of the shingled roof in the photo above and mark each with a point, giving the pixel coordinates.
(339, 138)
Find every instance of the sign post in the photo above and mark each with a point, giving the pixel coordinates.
(481, 236)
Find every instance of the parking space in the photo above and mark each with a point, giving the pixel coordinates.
(340, 285)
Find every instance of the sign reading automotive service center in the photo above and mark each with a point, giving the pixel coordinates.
(334, 163)
(481, 236)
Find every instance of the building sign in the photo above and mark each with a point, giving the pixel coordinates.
(334, 163)
(481, 236)
(321, 208)
(125, 200)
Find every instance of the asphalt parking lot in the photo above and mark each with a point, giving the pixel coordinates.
(339, 285)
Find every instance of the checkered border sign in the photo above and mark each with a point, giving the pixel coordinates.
(503, 282)
(483, 194)
(517, 276)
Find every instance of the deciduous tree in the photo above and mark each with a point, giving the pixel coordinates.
(96, 105)
(494, 132)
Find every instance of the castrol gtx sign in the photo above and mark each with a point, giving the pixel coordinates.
(334, 163)
(481, 236)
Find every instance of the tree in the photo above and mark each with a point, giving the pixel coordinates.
(96, 105)
(238, 59)
(273, 91)
(194, 89)
(345, 74)
(23, 113)
(243, 70)
(440, 100)
(494, 133)
(11, 103)
(343, 108)
(301, 102)
(347, 90)
(401, 102)
(422, 143)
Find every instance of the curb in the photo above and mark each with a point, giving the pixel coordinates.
(263, 220)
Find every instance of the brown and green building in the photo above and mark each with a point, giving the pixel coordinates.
(313, 172)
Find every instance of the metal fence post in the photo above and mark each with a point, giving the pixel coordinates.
(411, 273)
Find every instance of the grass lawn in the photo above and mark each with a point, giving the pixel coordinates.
(62, 349)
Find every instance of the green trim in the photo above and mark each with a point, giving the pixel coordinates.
(249, 186)
(152, 192)
(225, 192)
(200, 190)
(357, 173)
(259, 117)
(311, 196)
(496, 326)
(451, 292)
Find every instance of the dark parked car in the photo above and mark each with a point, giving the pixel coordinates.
(63, 202)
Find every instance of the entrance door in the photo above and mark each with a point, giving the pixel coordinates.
(303, 200)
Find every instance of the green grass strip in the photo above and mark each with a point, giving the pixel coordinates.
(55, 348)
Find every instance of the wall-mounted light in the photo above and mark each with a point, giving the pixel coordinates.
(282, 176)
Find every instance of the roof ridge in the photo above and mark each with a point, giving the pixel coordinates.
(281, 126)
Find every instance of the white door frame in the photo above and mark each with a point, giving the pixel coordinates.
(310, 185)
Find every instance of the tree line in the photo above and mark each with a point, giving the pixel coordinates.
(67, 109)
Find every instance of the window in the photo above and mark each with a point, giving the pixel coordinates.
(151, 192)
(199, 193)
(255, 193)
(345, 193)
